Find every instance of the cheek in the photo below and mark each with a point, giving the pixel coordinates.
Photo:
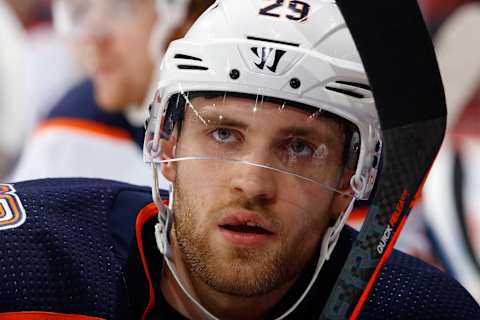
(307, 212)
(306, 232)
(209, 178)
(192, 204)
(311, 201)
(197, 181)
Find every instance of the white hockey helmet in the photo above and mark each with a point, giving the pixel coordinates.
(300, 53)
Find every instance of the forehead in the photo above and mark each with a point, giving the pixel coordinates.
(260, 113)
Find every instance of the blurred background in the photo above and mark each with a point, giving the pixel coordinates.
(76, 79)
(75, 86)
(36, 69)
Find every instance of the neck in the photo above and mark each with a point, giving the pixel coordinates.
(222, 305)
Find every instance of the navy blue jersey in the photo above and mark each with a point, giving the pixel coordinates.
(69, 254)
(86, 247)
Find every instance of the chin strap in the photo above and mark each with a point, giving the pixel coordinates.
(163, 243)
(329, 241)
(162, 238)
(164, 226)
(333, 233)
(162, 231)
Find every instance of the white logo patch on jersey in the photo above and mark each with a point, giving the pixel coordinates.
(12, 213)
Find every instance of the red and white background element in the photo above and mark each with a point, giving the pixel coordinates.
(456, 229)
(433, 231)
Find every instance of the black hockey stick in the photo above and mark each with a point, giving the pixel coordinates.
(399, 60)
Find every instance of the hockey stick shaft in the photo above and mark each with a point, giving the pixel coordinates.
(400, 62)
(402, 178)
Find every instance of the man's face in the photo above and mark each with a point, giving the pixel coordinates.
(241, 228)
(115, 49)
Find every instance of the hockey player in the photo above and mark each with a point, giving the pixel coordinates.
(264, 130)
(96, 130)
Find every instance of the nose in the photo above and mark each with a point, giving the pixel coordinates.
(255, 183)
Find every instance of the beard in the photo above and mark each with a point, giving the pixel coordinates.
(243, 272)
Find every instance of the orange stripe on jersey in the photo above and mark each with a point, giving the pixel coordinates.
(85, 126)
(40, 315)
(145, 214)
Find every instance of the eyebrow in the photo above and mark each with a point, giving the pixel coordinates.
(309, 133)
(212, 117)
(296, 130)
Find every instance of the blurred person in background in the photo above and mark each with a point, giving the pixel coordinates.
(13, 103)
(30, 50)
(451, 196)
(96, 130)
(46, 52)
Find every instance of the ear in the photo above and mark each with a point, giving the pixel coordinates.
(168, 148)
(341, 200)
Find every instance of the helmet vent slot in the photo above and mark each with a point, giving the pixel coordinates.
(355, 84)
(191, 67)
(274, 41)
(346, 92)
(186, 57)
(352, 89)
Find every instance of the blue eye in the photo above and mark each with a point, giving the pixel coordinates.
(223, 135)
(299, 148)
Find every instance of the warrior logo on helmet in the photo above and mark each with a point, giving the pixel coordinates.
(267, 55)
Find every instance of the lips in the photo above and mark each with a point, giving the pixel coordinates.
(246, 229)
(250, 227)
(246, 222)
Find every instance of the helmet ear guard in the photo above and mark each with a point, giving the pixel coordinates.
(173, 115)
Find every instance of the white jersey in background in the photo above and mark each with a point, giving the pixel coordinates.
(77, 139)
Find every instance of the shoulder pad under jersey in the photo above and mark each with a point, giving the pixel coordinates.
(67, 250)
